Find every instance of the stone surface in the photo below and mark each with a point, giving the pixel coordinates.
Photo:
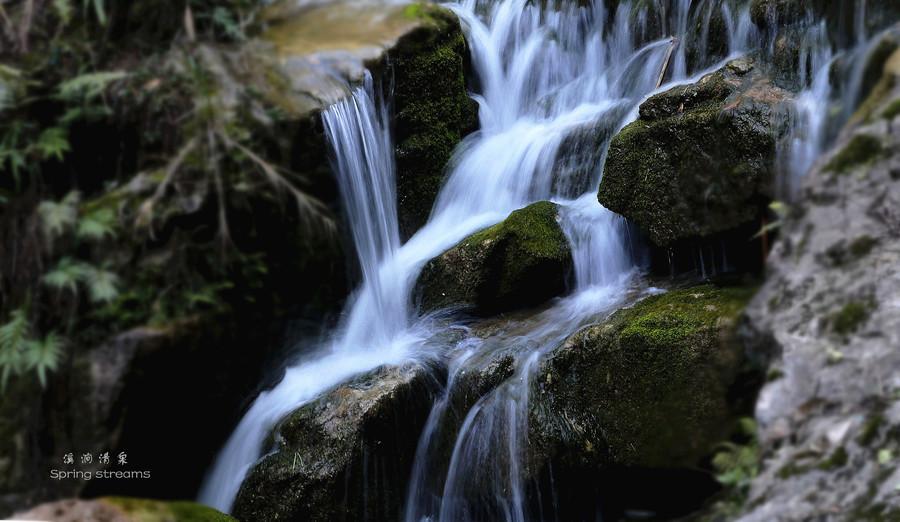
(829, 312)
(647, 388)
(519, 262)
(120, 509)
(701, 157)
(345, 456)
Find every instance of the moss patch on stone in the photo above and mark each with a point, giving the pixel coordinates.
(143, 510)
(521, 261)
(649, 387)
(861, 150)
(850, 317)
(700, 160)
(432, 109)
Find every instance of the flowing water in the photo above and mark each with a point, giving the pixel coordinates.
(549, 76)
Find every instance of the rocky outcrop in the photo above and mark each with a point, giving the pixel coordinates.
(642, 398)
(647, 388)
(419, 54)
(345, 456)
(519, 262)
(701, 157)
(828, 311)
(841, 16)
(432, 109)
(120, 509)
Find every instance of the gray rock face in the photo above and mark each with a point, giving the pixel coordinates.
(345, 456)
(829, 309)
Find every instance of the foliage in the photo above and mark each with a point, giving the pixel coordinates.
(737, 464)
(21, 352)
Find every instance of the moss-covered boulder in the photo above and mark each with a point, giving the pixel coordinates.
(432, 110)
(123, 509)
(345, 456)
(701, 157)
(648, 388)
(522, 261)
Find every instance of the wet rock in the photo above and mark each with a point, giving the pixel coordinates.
(829, 312)
(842, 16)
(647, 388)
(345, 456)
(121, 509)
(417, 50)
(432, 109)
(701, 157)
(519, 262)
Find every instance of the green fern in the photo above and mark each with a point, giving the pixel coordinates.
(63, 10)
(57, 218)
(53, 143)
(103, 285)
(43, 356)
(66, 275)
(97, 225)
(13, 344)
(88, 86)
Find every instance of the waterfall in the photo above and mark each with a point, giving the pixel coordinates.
(375, 329)
(550, 74)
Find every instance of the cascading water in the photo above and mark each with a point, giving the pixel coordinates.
(549, 73)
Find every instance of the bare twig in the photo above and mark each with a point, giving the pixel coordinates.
(665, 66)
(145, 214)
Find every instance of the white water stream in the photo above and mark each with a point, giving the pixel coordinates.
(546, 74)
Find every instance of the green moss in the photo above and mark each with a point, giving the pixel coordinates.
(870, 429)
(690, 166)
(521, 261)
(837, 459)
(862, 150)
(144, 510)
(892, 110)
(850, 317)
(432, 109)
(672, 319)
(861, 246)
(649, 386)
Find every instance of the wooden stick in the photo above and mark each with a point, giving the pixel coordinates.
(665, 66)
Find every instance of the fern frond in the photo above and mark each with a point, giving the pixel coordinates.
(103, 285)
(66, 275)
(97, 225)
(88, 86)
(53, 143)
(43, 356)
(57, 218)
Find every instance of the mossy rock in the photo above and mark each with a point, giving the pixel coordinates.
(432, 111)
(519, 262)
(648, 388)
(125, 509)
(345, 456)
(700, 159)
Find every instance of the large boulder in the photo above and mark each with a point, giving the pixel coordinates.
(701, 157)
(519, 262)
(648, 387)
(345, 456)
(123, 509)
(642, 398)
(828, 311)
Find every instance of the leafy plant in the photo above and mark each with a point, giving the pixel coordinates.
(21, 353)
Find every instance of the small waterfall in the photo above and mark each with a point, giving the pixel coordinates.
(548, 73)
(373, 332)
